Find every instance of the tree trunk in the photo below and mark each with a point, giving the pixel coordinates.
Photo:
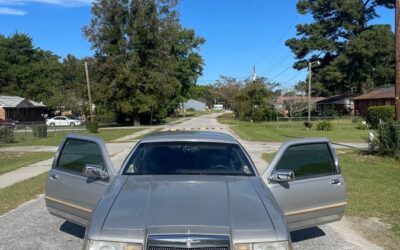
(136, 120)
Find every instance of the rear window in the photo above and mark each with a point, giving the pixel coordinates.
(188, 158)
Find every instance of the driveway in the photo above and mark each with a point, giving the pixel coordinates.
(30, 226)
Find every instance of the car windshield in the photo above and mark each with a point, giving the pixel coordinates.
(188, 158)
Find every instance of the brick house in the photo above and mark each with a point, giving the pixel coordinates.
(20, 109)
(377, 97)
(341, 104)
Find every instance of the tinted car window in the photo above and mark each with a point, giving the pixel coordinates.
(182, 158)
(77, 153)
(307, 161)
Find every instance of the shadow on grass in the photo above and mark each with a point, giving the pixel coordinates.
(73, 229)
(306, 234)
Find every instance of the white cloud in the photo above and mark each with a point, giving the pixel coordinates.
(10, 11)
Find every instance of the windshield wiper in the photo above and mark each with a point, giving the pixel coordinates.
(210, 172)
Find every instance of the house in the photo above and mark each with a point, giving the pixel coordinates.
(20, 109)
(293, 105)
(377, 97)
(195, 105)
(339, 104)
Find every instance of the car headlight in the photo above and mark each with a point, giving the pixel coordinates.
(110, 245)
(276, 245)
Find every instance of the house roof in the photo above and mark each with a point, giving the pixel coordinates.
(337, 99)
(18, 102)
(299, 98)
(380, 93)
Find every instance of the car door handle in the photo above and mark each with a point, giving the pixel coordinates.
(53, 176)
(335, 181)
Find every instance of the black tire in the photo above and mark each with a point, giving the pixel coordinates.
(72, 124)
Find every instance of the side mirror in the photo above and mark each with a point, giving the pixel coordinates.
(95, 171)
(279, 176)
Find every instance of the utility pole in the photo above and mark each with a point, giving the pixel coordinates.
(310, 63)
(89, 94)
(309, 90)
(397, 77)
(254, 74)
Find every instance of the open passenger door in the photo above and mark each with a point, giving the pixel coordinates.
(306, 181)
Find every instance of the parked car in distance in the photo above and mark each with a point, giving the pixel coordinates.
(63, 121)
(8, 123)
(194, 190)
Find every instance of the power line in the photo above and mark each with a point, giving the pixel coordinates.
(279, 40)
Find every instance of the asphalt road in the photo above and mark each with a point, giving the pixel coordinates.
(30, 226)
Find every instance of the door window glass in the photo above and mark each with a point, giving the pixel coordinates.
(307, 160)
(77, 153)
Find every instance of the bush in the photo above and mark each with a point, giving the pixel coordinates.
(190, 110)
(389, 140)
(39, 130)
(308, 125)
(6, 134)
(363, 126)
(324, 126)
(93, 127)
(106, 118)
(259, 114)
(376, 113)
(331, 112)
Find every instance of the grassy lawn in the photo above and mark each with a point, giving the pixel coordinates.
(373, 186)
(14, 195)
(343, 130)
(13, 160)
(54, 138)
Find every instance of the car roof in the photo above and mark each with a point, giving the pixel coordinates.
(191, 136)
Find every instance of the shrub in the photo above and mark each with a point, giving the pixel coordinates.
(93, 127)
(260, 114)
(363, 126)
(106, 118)
(39, 130)
(389, 140)
(331, 112)
(6, 134)
(190, 110)
(308, 125)
(376, 113)
(324, 126)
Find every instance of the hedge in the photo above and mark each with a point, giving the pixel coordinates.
(376, 113)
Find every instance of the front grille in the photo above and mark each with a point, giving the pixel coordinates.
(181, 248)
(188, 241)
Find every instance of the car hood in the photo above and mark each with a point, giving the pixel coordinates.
(188, 204)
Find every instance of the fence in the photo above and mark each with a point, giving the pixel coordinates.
(24, 134)
(337, 121)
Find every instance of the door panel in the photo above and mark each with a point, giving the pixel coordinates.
(69, 194)
(317, 195)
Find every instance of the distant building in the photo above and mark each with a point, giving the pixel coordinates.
(377, 97)
(20, 109)
(341, 104)
(290, 104)
(195, 105)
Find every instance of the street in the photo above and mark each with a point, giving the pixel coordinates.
(30, 226)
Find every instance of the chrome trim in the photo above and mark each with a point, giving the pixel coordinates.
(309, 210)
(188, 241)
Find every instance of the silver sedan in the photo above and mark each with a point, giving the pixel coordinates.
(194, 190)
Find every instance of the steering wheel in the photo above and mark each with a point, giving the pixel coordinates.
(220, 167)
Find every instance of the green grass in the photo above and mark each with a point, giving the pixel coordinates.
(373, 186)
(55, 138)
(13, 160)
(14, 195)
(343, 131)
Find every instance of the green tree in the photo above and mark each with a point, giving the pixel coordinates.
(147, 61)
(336, 23)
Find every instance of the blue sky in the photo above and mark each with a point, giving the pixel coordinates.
(239, 33)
